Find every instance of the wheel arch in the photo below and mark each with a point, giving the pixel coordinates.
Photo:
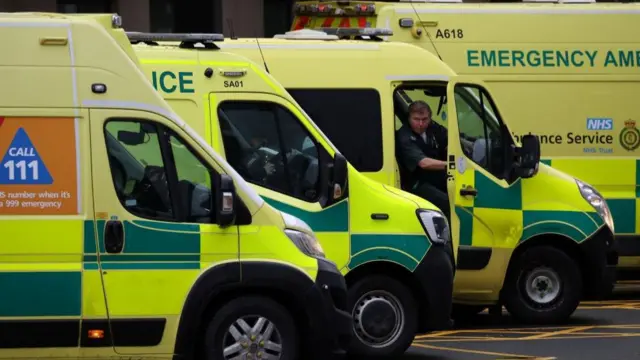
(222, 283)
(557, 241)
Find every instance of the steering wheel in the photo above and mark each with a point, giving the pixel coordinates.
(153, 189)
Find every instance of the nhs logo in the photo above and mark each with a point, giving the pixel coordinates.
(599, 124)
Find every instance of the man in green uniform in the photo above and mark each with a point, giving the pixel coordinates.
(422, 152)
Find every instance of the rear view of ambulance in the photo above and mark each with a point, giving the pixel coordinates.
(123, 233)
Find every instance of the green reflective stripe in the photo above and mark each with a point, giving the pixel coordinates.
(576, 225)
(465, 214)
(637, 178)
(143, 266)
(142, 258)
(335, 218)
(546, 161)
(142, 261)
(387, 254)
(492, 195)
(554, 228)
(91, 266)
(624, 214)
(406, 250)
(148, 245)
(90, 235)
(41, 293)
(156, 237)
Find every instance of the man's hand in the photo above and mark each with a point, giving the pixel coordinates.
(432, 164)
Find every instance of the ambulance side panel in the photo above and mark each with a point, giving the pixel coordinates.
(45, 201)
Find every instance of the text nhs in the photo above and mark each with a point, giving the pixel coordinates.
(599, 124)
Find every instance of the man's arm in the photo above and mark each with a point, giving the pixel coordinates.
(432, 164)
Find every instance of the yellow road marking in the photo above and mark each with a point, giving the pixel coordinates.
(556, 333)
(544, 333)
(479, 352)
(561, 332)
(496, 339)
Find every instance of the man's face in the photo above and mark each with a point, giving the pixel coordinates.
(419, 120)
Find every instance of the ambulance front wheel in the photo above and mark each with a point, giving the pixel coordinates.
(385, 317)
(252, 327)
(544, 286)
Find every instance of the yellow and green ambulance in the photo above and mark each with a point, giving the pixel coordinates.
(124, 234)
(392, 247)
(530, 236)
(559, 76)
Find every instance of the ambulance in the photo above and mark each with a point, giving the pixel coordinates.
(530, 236)
(124, 234)
(392, 246)
(565, 71)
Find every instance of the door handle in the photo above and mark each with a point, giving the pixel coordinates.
(468, 191)
(114, 236)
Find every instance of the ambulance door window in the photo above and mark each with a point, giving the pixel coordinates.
(194, 182)
(481, 132)
(142, 157)
(138, 169)
(269, 147)
(351, 119)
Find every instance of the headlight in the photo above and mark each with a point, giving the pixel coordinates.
(435, 224)
(307, 243)
(596, 200)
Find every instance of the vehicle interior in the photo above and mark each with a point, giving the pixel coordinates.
(296, 165)
(478, 125)
(143, 188)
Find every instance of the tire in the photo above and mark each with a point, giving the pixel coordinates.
(549, 266)
(378, 298)
(250, 309)
(463, 312)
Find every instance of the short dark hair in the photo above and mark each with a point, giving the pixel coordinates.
(419, 105)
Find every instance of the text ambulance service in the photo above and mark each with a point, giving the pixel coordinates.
(567, 73)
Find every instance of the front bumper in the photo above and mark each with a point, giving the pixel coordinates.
(331, 324)
(600, 259)
(435, 274)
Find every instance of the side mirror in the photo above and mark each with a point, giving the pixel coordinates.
(225, 201)
(529, 156)
(340, 176)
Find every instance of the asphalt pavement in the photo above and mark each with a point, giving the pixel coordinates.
(598, 330)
